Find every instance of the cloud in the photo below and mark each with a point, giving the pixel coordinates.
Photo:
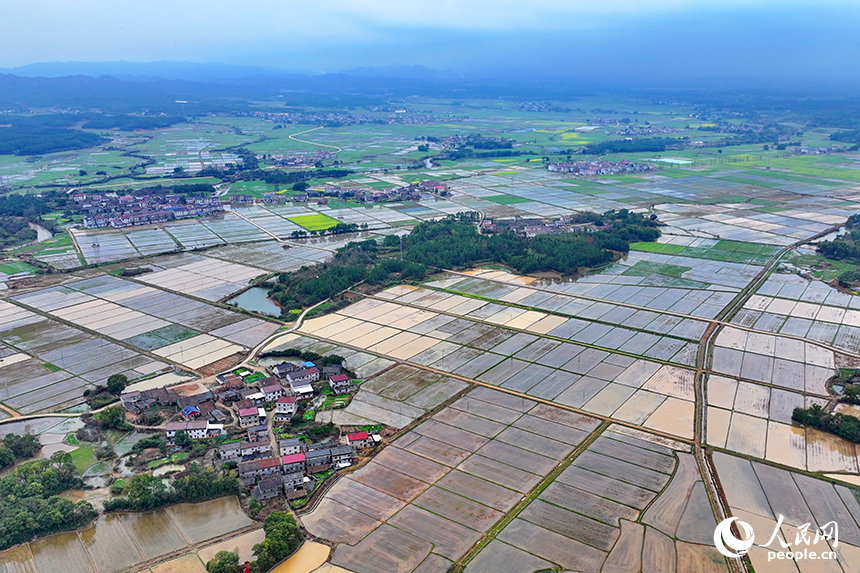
(575, 38)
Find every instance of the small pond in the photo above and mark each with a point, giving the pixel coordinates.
(256, 300)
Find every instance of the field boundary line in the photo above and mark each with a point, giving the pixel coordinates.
(538, 489)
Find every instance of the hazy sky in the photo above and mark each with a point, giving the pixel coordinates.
(804, 40)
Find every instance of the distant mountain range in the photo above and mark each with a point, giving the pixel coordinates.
(211, 72)
(124, 87)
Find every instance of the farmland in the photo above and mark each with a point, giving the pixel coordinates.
(313, 222)
(596, 422)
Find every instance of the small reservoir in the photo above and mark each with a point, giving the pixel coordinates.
(256, 300)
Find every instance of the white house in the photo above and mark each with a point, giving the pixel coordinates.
(285, 408)
(196, 430)
(251, 417)
(272, 392)
(301, 389)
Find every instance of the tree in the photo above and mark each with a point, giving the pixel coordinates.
(7, 458)
(391, 241)
(116, 383)
(145, 491)
(301, 186)
(113, 418)
(283, 537)
(181, 439)
(224, 562)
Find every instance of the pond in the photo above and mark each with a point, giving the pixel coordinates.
(255, 299)
(42, 234)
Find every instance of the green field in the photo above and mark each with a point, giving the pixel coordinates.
(313, 222)
(16, 267)
(727, 251)
(507, 199)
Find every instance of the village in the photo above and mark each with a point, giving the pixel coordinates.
(112, 210)
(262, 425)
(594, 168)
(532, 227)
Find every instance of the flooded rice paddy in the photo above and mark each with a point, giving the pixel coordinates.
(120, 541)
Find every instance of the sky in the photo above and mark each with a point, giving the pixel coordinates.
(778, 41)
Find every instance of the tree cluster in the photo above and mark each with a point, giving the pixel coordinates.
(354, 263)
(14, 231)
(104, 395)
(845, 247)
(29, 503)
(648, 144)
(40, 134)
(281, 177)
(454, 242)
(113, 418)
(14, 447)
(842, 425)
(283, 538)
(131, 122)
(144, 492)
(307, 355)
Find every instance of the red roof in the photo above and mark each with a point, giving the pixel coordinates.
(248, 412)
(339, 378)
(286, 400)
(357, 436)
(269, 463)
(294, 458)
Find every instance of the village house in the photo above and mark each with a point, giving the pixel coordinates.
(301, 389)
(260, 432)
(285, 408)
(318, 460)
(311, 374)
(252, 470)
(288, 446)
(137, 402)
(272, 391)
(249, 472)
(190, 412)
(260, 448)
(230, 451)
(196, 430)
(360, 440)
(256, 398)
(294, 481)
(342, 456)
(251, 417)
(293, 463)
(340, 384)
(332, 370)
(281, 370)
(267, 488)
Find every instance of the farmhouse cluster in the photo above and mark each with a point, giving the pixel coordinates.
(593, 168)
(251, 413)
(287, 469)
(532, 227)
(112, 210)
